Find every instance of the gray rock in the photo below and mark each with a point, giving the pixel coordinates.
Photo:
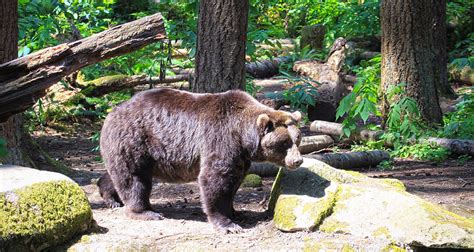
(320, 197)
(39, 209)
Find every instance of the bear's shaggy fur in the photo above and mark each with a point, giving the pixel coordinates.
(177, 137)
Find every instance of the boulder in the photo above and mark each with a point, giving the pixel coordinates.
(320, 197)
(39, 209)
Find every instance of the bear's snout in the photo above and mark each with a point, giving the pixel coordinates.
(293, 158)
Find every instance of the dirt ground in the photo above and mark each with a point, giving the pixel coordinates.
(449, 184)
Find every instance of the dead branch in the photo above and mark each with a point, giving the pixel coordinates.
(23, 80)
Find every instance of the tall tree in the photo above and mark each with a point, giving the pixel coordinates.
(11, 130)
(221, 37)
(414, 51)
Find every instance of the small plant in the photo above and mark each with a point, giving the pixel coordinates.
(302, 94)
(403, 121)
(462, 160)
(95, 138)
(250, 86)
(385, 165)
(460, 123)
(362, 101)
(423, 151)
(3, 148)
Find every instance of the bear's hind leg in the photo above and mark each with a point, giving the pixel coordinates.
(134, 188)
(107, 191)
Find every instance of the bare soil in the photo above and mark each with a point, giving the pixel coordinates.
(185, 227)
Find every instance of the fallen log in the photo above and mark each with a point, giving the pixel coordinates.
(314, 143)
(456, 146)
(353, 160)
(108, 84)
(23, 80)
(336, 129)
(266, 68)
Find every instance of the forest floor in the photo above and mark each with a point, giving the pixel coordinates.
(449, 184)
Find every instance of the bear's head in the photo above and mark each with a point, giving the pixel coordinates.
(281, 138)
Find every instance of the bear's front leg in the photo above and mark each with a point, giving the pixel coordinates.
(217, 185)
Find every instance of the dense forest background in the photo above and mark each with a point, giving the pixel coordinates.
(45, 23)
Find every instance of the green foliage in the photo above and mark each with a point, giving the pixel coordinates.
(362, 101)
(95, 138)
(423, 151)
(250, 86)
(44, 23)
(460, 123)
(348, 19)
(3, 148)
(302, 93)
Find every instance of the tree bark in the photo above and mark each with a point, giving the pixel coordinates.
(221, 38)
(440, 49)
(11, 130)
(413, 54)
(25, 79)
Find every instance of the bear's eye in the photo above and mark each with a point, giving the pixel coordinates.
(269, 127)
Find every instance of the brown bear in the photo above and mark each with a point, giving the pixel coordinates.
(178, 137)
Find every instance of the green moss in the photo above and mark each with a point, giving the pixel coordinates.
(252, 180)
(347, 248)
(442, 216)
(393, 248)
(333, 226)
(395, 183)
(322, 209)
(333, 174)
(284, 216)
(382, 232)
(43, 214)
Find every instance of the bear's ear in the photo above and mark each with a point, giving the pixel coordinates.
(264, 123)
(284, 118)
(297, 116)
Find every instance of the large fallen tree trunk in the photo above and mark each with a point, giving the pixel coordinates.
(456, 146)
(353, 160)
(23, 80)
(348, 160)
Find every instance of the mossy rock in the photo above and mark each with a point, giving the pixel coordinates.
(252, 180)
(35, 216)
(365, 207)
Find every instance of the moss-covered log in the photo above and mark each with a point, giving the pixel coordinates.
(23, 80)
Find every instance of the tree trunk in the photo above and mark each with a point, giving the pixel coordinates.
(440, 49)
(25, 79)
(222, 33)
(11, 129)
(412, 54)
